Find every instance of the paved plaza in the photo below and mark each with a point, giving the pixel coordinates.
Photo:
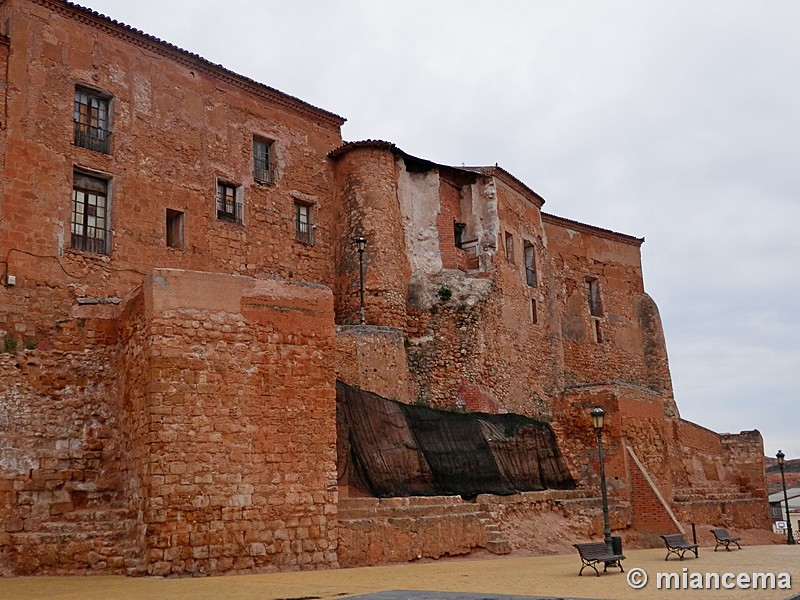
(486, 577)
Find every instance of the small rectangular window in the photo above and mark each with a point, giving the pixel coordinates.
(90, 216)
(530, 264)
(593, 297)
(174, 228)
(91, 120)
(534, 315)
(509, 246)
(598, 332)
(303, 224)
(262, 161)
(229, 202)
(458, 233)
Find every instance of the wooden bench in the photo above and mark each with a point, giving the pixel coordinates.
(677, 544)
(593, 553)
(725, 539)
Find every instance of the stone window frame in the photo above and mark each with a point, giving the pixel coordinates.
(87, 183)
(263, 160)
(534, 311)
(229, 211)
(92, 118)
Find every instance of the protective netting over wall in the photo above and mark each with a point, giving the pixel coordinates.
(387, 448)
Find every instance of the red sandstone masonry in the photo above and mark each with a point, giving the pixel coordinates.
(218, 391)
(237, 478)
(178, 124)
(62, 507)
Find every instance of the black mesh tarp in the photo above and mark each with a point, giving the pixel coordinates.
(387, 448)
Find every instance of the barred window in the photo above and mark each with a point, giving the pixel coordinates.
(262, 161)
(91, 120)
(89, 213)
(229, 202)
(304, 227)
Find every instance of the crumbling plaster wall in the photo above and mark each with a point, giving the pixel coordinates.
(473, 342)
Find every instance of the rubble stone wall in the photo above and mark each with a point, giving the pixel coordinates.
(62, 506)
(373, 358)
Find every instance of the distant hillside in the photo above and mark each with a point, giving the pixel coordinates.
(791, 469)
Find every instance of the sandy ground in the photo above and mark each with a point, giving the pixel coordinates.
(533, 575)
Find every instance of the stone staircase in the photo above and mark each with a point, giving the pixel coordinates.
(709, 492)
(429, 526)
(81, 540)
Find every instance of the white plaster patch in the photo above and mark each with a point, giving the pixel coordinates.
(419, 207)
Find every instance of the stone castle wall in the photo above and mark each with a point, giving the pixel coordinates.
(61, 463)
(169, 410)
(187, 447)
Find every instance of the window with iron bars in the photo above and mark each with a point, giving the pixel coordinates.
(303, 225)
(229, 202)
(89, 214)
(91, 121)
(262, 161)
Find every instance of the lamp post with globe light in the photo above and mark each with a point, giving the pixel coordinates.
(598, 418)
(361, 244)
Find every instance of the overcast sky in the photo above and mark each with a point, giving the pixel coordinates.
(677, 121)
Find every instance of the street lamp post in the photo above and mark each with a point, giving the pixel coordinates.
(789, 537)
(598, 416)
(361, 244)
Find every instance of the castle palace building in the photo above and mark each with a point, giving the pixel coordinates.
(184, 282)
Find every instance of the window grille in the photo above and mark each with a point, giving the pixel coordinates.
(262, 165)
(229, 203)
(91, 122)
(304, 228)
(89, 214)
